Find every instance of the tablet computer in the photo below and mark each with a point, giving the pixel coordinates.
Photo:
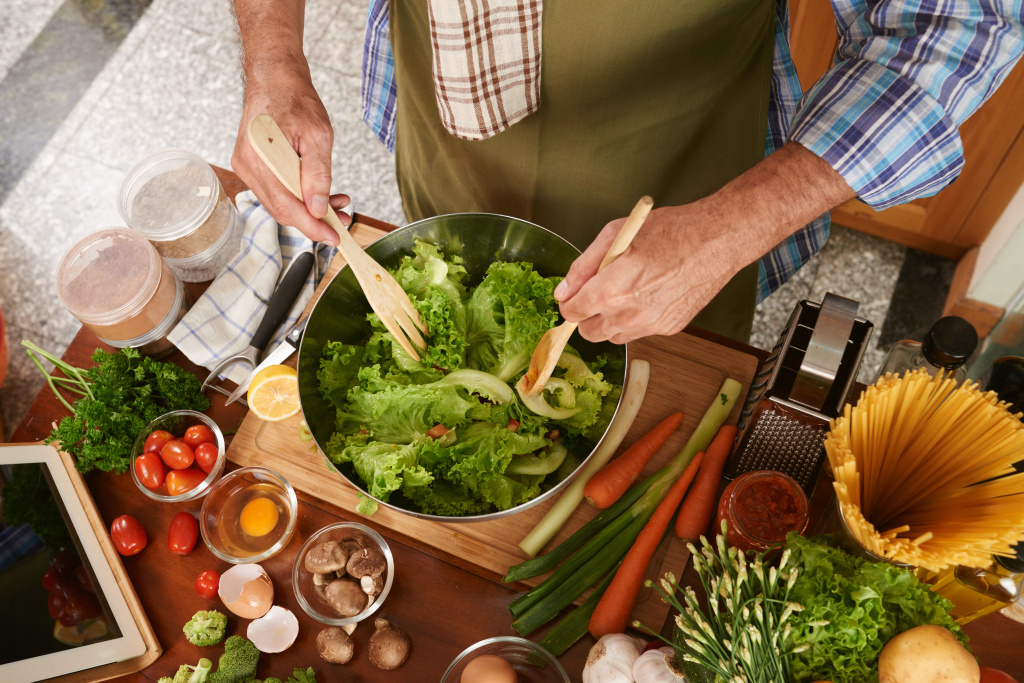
(69, 611)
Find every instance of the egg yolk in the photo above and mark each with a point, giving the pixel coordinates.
(259, 517)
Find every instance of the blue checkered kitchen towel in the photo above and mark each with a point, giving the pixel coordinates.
(223, 320)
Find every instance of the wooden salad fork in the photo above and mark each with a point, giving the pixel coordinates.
(550, 346)
(385, 295)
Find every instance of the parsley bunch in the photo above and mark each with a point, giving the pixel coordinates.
(118, 397)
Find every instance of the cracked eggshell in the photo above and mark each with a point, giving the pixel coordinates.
(246, 590)
(275, 631)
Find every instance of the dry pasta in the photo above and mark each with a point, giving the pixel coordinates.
(924, 472)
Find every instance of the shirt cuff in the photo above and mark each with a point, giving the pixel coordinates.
(889, 139)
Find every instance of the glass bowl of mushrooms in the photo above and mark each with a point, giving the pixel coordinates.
(343, 574)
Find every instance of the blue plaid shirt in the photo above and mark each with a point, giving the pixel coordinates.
(907, 73)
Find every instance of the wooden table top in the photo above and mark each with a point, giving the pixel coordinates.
(443, 602)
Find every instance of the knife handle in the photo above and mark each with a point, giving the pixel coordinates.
(284, 296)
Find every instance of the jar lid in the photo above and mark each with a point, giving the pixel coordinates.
(108, 276)
(168, 195)
(950, 342)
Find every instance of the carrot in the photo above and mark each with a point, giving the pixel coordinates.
(695, 515)
(612, 611)
(612, 480)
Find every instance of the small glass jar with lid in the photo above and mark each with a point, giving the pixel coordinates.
(117, 285)
(760, 508)
(175, 199)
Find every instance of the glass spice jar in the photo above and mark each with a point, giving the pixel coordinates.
(176, 200)
(117, 285)
(760, 508)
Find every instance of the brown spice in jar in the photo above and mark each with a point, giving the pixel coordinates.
(110, 281)
(173, 197)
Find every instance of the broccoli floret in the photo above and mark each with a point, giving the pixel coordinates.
(238, 663)
(190, 674)
(206, 628)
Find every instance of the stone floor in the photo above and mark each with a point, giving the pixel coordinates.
(88, 89)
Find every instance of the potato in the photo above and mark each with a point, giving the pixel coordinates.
(926, 654)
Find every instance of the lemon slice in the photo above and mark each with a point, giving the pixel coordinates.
(91, 629)
(274, 393)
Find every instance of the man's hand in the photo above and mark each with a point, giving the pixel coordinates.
(683, 255)
(278, 83)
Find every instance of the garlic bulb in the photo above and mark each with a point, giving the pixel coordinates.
(657, 666)
(611, 659)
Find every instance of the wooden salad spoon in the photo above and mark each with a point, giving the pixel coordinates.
(385, 295)
(551, 345)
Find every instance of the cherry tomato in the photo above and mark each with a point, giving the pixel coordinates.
(197, 434)
(182, 534)
(82, 579)
(177, 454)
(82, 606)
(156, 441)
(206, 456)
(180, 481)
(150, 470)
(55, 604)
(990, 675)
(207, 584)
(128, 535)
(51, 580)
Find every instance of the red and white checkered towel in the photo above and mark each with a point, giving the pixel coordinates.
(486, 63)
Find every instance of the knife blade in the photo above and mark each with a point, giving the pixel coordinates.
(281, 352)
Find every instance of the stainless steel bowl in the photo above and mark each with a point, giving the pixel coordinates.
(480, 239)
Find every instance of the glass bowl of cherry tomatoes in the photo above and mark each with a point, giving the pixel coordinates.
(178, 456)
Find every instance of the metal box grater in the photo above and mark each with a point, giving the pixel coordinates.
(805, 382)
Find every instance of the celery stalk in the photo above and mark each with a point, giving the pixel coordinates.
(636, 388)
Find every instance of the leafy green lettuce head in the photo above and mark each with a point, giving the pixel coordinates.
(864, 604)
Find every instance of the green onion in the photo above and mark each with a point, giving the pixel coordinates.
(616, 537)
(574, 625)
(539, 565)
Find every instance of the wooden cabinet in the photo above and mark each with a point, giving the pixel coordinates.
(959, 217)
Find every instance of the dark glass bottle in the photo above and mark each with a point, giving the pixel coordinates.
(946, 347)
(1006, 378)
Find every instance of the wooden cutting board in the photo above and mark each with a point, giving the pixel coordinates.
(686, 373)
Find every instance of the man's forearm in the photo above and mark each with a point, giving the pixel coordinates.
(271, 34)
(774, 199)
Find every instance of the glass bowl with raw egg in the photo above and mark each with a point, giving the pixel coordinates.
(248, 515)
(505, 659)
(178, 456)
(343, 573)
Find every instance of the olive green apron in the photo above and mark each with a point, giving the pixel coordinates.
(661, 97)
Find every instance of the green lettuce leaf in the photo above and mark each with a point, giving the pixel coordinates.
(506, 315)
(864, 604)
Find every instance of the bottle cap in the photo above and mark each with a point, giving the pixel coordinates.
(1014, 564)
(950, 342)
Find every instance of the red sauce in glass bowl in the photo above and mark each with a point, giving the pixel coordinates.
(760, 508)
